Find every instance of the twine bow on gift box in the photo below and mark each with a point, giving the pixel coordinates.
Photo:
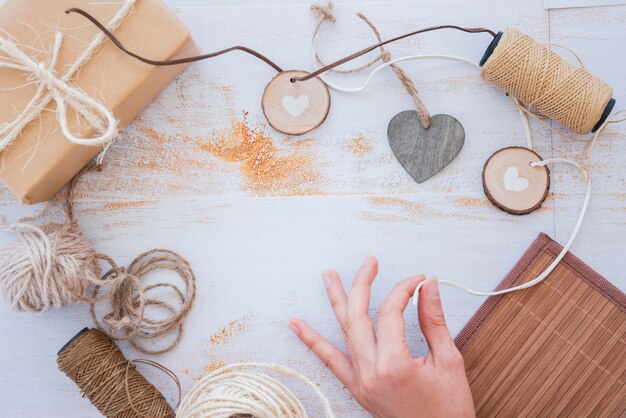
(52, 86)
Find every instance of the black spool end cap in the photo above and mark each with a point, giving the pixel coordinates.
(74, 338)
(607, 111)
(492, 46)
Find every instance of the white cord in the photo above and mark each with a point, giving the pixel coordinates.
(387, 64)
(557, 260)
(529, 141)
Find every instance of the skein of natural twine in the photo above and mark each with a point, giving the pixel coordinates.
(325, 13)
(110, 381)
(242, 390)
(547, 83)
(54, 265)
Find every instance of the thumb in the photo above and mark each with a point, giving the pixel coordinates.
(433, 322)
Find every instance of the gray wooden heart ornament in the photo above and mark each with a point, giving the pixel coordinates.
(424, 152)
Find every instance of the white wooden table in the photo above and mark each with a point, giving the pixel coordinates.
(258, 251)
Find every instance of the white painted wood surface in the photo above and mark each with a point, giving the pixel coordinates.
(258, 251)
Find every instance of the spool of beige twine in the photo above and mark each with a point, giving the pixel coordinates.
(546, 83)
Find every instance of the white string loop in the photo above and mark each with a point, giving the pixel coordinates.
(53, 87)
(555, 262)
(385, 65)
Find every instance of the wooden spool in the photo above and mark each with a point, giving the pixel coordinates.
(512, 184)
(295, 108)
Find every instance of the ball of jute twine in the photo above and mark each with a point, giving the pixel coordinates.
(242, 390)
(547, 83)
(47, 266)
(110, 381)
(55, 265)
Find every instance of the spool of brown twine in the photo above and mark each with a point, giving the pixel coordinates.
(109, 380)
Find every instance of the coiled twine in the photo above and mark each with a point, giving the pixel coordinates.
(242, 390)
(109, 380)
(547, 83)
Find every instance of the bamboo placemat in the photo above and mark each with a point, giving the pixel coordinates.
(555, 349)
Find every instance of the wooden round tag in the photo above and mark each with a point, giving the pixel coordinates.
(295, 108)
(512, 184)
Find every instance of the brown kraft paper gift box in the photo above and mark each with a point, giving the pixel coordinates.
(41, 160)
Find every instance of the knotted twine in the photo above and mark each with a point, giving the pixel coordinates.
(52, 86)
(110, 381)
(241, 390)
(326, 14)
(547, 83)
(54, 265)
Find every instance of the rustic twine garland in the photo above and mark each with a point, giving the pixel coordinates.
(110, 381)
(587, 90)
(242, 390)
(326, 14)
(54, 265)
(539, 82)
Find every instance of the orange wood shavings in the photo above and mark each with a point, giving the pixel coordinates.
(217, 340)
(171, 156)
(228, 331)
(268, 170)
(210, 368)
(126, 204)
(412, 208)
(360, 145)
(409, 210)
(473, 202)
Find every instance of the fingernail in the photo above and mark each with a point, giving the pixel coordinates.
(368, 260)
(326, 277)
(294, 327)
(432, 290)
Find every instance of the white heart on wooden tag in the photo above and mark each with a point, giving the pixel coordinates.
(295, 107)
(513, 182)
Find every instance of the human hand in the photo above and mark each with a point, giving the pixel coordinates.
(379, 369)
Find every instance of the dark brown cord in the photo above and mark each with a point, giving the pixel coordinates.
(378, 45)
(263, 57)
(176, 61)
